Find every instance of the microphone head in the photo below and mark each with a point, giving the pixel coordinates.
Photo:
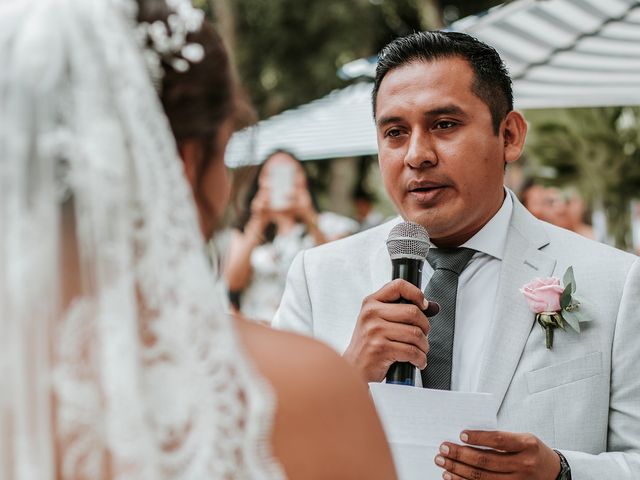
(408, 240)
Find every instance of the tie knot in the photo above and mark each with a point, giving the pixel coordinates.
(452, 259)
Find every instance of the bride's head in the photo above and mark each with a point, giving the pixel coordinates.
(204, 106)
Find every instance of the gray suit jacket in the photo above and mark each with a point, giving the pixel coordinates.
(582, 397)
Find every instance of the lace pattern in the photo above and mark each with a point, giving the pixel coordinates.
(148, 378)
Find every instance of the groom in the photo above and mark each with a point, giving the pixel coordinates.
(446, 130)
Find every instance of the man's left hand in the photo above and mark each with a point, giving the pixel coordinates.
(513, 456)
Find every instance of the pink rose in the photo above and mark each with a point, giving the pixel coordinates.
(543, 294)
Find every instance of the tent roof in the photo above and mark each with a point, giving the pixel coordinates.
(566, 53)
(560, 53)
(338, 125)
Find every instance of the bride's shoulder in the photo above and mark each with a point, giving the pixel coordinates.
(303, 371)
(283, 353)
(324, 410)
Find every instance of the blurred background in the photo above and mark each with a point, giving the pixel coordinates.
(307, 68)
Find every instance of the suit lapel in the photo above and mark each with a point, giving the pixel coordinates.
(512, 323)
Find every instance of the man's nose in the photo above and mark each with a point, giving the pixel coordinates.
(420, 152)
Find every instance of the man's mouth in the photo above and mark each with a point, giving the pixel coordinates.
(425, 191)
(424, 186)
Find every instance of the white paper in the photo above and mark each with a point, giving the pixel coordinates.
(418, 420)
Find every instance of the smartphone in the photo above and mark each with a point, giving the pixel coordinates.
(281, 177)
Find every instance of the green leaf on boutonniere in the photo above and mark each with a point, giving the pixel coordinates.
(569, 280)
(580, 306)
(565, 297)
(572, 318)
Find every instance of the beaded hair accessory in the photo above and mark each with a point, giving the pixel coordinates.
(168, 41)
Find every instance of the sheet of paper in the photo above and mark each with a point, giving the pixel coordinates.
(418, 420)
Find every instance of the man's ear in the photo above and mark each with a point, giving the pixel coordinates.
(514, 133)
(190, 154)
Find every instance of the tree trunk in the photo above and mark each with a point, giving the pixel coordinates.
(225, 22)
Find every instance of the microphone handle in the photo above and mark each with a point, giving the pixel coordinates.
(409, 269)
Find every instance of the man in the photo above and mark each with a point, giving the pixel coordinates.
(446, 129)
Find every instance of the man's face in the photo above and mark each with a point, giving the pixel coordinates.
(441, 162)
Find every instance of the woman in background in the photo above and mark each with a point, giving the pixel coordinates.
(281, 220)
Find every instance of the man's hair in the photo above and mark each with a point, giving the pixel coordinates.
(491, 83)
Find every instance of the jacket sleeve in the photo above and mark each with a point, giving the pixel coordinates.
(294, 313)
(622, 459)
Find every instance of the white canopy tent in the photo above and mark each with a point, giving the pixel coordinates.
(560, 53)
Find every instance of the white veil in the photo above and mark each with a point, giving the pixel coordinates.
(115, 358)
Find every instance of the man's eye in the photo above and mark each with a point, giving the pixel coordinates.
(444, 124)
(393, 132)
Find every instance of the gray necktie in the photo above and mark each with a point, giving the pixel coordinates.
(447, 263)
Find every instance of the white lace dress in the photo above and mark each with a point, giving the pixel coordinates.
(141, 376)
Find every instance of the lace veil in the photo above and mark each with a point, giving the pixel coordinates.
(115, 358)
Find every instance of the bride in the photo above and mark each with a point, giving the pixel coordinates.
(115, 358)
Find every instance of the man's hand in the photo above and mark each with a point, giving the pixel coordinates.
(388, 332)
(514, 456)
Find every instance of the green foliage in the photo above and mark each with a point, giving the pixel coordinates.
(573, 319)
(598, 151)
(569, 280)
(288, 51)
(565, 297)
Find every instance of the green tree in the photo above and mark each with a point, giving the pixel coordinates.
(288, 51)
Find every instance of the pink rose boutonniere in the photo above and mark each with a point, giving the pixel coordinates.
(553, 304)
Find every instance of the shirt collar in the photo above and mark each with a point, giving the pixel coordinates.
(492, 238)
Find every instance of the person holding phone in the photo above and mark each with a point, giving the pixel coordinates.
(281, 220)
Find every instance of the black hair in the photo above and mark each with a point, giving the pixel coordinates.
(491, 84)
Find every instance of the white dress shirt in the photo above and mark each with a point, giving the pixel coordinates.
(477, 289)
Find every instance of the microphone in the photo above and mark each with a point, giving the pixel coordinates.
(408, 245)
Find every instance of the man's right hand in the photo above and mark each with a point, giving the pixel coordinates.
(388, 332)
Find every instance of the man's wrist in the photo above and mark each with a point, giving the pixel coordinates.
(565, 469)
